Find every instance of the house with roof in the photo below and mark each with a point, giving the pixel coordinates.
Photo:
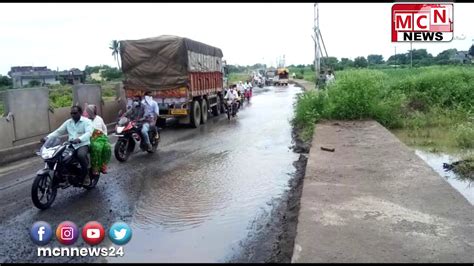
(73, 76)
(462, 56)
(22, 76)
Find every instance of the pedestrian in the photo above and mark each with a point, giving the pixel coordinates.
(101, 151)
(322, 80)
(329, 77)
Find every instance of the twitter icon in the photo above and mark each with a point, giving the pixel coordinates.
(120, 233)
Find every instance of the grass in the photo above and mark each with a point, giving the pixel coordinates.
(431, 107)
(108, 92)
(415, 99)
(236, 77)
(60, 96)
(464, 169)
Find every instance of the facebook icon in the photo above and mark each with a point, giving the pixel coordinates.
(41, 233)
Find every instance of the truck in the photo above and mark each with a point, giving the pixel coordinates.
(281, 77)
(186, 77)
(269, 76)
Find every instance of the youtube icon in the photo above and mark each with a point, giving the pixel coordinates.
(93, 233)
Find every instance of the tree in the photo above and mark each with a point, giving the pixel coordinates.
(115, 47)
(111, 73)
(93, 69)
(5, 81)
(330, 62)
(360, 62)
(375, 59)
(471, 50)
(398, 59)
(345, 63)
(445, 55)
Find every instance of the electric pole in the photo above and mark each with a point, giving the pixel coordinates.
(317, 60)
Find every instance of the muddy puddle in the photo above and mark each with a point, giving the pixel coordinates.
(203, 205)
(436, 161)
(435, 147)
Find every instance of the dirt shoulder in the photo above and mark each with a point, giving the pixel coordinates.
(306, 85)
(273, 241)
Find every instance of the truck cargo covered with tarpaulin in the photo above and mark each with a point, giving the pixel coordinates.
(184, 76)
(166, 62)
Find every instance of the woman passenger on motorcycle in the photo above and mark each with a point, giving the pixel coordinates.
(101, 151)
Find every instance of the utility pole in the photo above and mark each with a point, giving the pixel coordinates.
(317, 59)
(411, 54)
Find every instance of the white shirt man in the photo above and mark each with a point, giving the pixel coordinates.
(329, 78)
(231, 95)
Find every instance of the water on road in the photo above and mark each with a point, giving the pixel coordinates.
(199, 208)
(195, 200)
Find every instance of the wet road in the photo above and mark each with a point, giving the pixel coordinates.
(194, 201)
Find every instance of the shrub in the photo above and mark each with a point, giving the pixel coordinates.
(464, 135)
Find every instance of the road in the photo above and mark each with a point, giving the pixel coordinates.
(198, 199)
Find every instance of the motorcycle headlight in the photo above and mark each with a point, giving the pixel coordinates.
(47, 154)
(120, 129)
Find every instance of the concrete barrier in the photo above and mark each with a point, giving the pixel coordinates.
(6, 133)
(88, 93)
(111, 110)
(58, 116)
(19, 152)
(19, 139)
(30, 111)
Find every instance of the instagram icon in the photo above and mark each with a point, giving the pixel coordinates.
(67, 233)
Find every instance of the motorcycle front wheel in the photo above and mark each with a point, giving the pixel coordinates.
(121, 150)
(43, 192)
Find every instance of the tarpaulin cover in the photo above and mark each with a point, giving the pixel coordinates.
(164, 62)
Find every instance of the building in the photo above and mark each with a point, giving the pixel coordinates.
(462, 57)
(23, 76)
(73, 76)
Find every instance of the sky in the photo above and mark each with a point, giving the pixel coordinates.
(73, 35)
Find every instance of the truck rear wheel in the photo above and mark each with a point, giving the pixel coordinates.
(204, 111)
(195, 114)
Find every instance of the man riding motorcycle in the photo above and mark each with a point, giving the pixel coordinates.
(137, 113)
(79, 130)
(151, 115)
(231, 95)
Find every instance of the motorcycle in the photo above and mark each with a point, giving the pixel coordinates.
(247, 94)
(231, 107)
(129, 134)
(62, 170)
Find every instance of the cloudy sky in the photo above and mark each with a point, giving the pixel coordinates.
(68, 35)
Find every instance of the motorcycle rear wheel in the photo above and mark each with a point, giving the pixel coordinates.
(154, 143)
(94, 180)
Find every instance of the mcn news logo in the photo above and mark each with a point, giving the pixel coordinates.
(422, 22)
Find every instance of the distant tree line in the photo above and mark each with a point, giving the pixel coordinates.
(419, 57)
